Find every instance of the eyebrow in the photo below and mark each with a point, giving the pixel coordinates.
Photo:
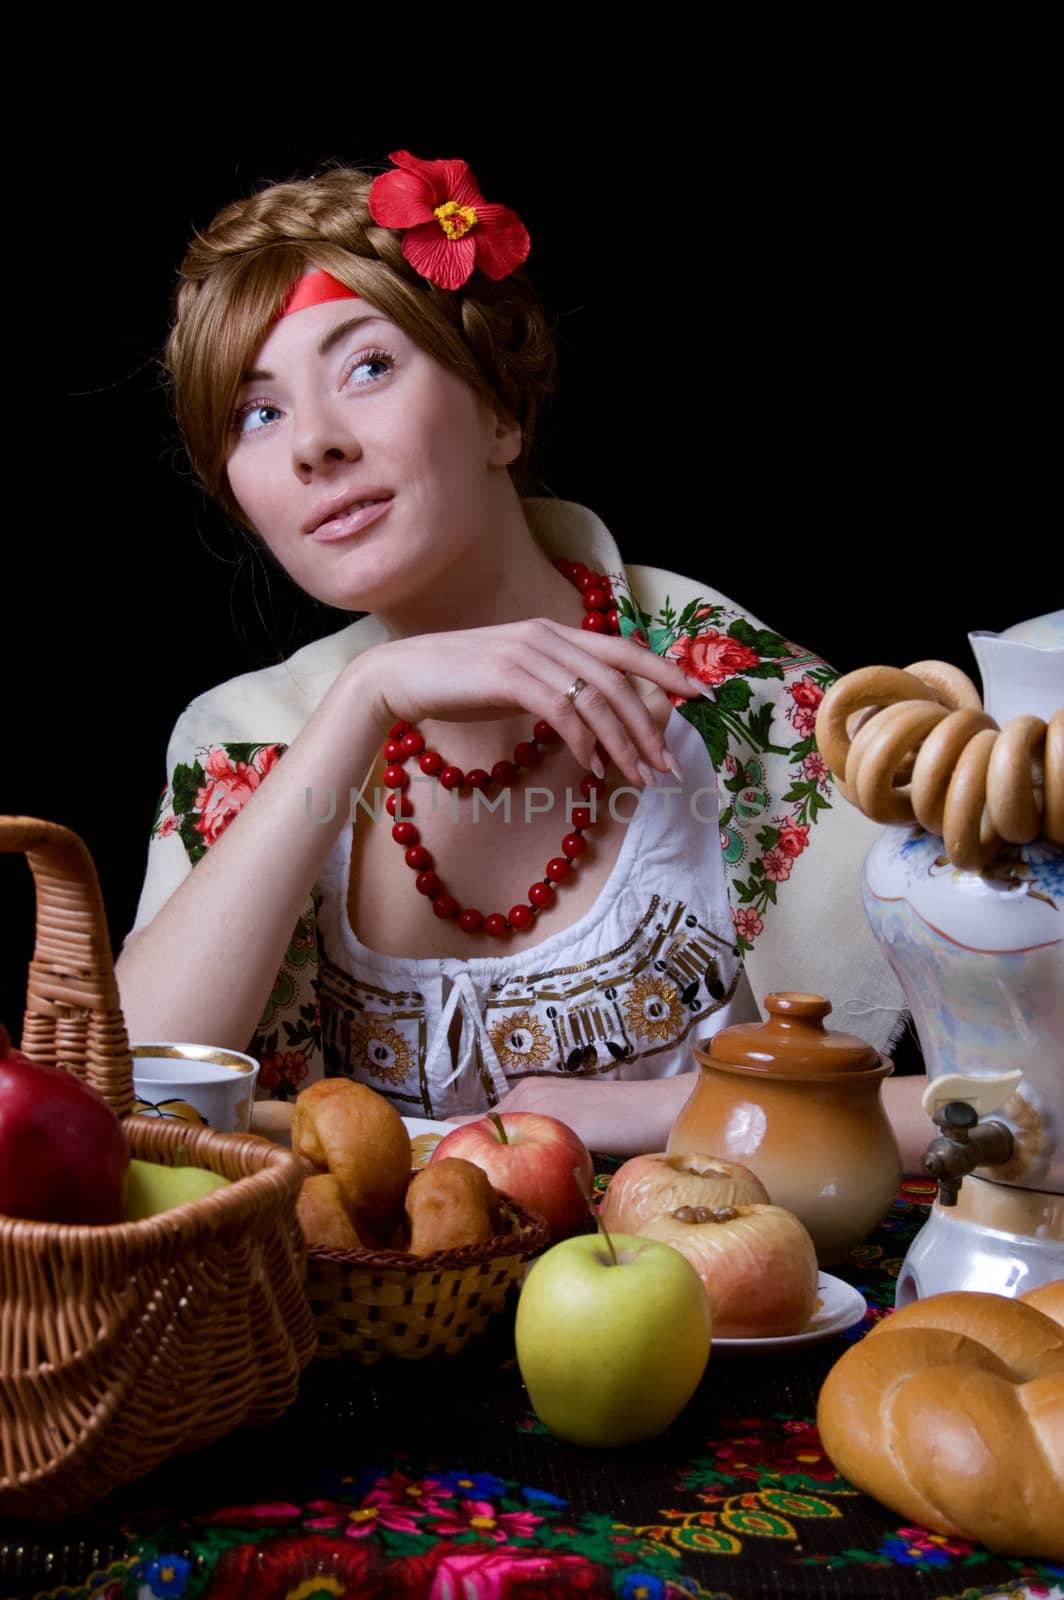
(329, 342)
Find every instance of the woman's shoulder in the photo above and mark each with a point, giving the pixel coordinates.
(274, 702)
(666, 596)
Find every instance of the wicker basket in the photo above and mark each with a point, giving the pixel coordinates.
(123, 1345)
(374, 1303)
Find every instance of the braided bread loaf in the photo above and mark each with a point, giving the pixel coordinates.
(951, 1412)
(916, 746)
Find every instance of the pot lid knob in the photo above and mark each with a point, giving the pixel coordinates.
(794, 1042)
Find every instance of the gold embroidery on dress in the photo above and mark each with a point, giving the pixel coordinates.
(584, 966)
(521, 1041)
(384, 1052)
(653, 1010)
(633, 1002)
(491, 1094)
(374, 1040)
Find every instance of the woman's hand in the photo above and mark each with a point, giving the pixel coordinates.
(614, 1118)
(482, 673)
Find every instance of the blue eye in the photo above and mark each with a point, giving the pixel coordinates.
(370, 368)
(257, 414)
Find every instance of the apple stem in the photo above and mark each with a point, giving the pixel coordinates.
(493, 1116)
(585, 1189)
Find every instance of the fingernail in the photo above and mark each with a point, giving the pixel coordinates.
(703, 688)
(647, 774)
(672, 763)
(596, 766)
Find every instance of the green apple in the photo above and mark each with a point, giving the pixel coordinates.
(611, 1352)
(152, 1187)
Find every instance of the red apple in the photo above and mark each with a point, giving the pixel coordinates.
(648, 1186)
(531, 1158)
(757, 1262)
(63, 1152)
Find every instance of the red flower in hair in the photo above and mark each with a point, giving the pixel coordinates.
(449, 228)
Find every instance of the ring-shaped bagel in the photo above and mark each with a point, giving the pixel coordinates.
(935, 762)
(868, 686)
(1054, 778)
(952, 687)
(967, 832)
(1010, 793)
(877, 755)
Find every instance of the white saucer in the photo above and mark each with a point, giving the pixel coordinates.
(840, 1307)
(427, 1135)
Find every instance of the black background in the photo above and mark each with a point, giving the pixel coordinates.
(802, 321)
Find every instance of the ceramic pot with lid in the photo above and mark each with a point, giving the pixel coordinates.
(800, 1105)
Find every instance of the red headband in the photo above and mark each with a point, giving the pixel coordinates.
(314, 289)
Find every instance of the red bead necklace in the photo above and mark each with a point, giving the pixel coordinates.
(404, 741)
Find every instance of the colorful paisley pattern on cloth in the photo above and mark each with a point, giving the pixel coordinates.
(773, 780)
(203, 798)
(472, 1534)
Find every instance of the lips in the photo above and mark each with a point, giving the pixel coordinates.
(341, 518)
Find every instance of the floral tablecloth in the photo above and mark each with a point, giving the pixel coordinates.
(415, 1479)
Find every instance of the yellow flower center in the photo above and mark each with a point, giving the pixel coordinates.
(315, 1588)
(482, 1522)
(455, 220)
(166, 1574)
(364, 1514)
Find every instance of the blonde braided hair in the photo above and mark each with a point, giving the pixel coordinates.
(495, 336)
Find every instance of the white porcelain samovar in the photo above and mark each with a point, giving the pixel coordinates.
(965, 893)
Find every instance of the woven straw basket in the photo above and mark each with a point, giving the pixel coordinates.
(121, 1346)
(374, 1303)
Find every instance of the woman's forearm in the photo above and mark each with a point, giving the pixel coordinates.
(203, 968)
(621, 1119)
(629, 1118)
(913, 1128)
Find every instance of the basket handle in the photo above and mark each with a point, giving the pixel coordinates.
(73, 1015)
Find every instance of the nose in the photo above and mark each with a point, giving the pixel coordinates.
(324, 437)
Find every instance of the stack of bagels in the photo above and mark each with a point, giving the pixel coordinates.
(951, 1412)
(916, 746)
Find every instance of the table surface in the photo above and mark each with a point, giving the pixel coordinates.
(435, 1479)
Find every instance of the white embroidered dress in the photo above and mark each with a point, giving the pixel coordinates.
(649, 970)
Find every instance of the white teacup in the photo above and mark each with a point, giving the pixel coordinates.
(197, 1083)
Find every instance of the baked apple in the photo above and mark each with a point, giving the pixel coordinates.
(757, 1262)
(648, 1186)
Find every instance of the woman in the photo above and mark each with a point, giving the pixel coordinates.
(358, 367)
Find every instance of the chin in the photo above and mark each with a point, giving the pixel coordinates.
(356, 589)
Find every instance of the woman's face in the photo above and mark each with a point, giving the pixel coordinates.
(366, 467)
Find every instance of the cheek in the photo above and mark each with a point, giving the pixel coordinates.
(453, 445)
(258, 493)
(242, 487)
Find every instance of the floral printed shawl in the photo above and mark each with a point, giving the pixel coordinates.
(792, 849)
